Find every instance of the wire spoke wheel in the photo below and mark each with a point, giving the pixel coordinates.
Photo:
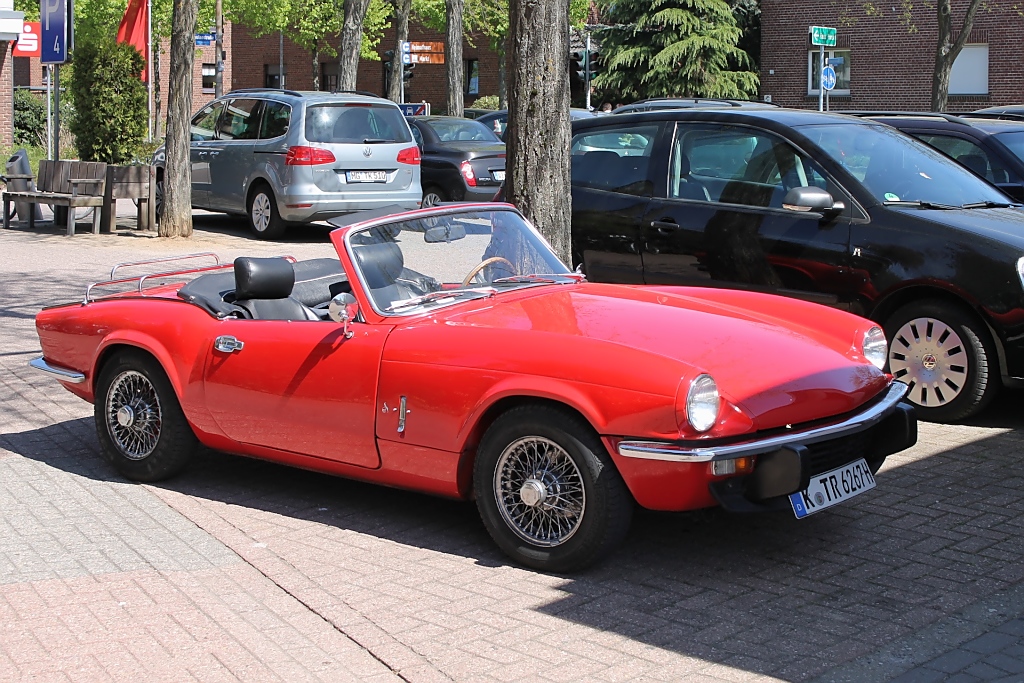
(133, 415)
(540, 491)
(930, 357)
(260, 213)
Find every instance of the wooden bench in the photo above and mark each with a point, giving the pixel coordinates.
(130, 182)
(63, 183)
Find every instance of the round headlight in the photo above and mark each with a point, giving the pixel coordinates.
(875, 347)
(702, 403)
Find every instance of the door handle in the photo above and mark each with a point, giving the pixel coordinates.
(665, 226)
(227, 344)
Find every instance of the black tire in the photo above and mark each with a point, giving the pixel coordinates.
(432, 195)
(573, 461)
(261, 211)
(151, 440)
(946, 356)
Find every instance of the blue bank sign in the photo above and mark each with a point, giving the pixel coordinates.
(57, 29)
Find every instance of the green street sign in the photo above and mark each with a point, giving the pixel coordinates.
(823, 35)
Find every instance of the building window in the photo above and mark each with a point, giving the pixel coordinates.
(842, 71)
(329, 76)
(472, 76)
(209, 77)
(969, 75)
(272, 77)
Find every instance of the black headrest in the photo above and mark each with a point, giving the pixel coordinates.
(380, 263)
(263, 278)
(684, 165)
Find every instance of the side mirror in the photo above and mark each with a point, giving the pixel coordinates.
(344, 309)
(812, 199)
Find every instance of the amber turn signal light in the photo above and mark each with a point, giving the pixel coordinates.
(744, 465)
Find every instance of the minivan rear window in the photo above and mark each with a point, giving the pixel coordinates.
(362, 124)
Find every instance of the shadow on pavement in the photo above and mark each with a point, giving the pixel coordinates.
(763, 593)
(237, 226)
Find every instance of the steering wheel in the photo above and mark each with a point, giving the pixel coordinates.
(483, 264)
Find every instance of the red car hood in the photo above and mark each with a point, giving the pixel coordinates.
(782, 362)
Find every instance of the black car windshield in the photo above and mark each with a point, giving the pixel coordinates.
(449, 130)
(1014, 141)
(447, 256)
(895, 167)
(356, 123)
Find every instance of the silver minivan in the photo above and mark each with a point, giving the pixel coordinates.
(282, 156)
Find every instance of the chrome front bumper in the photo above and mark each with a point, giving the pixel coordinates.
(678, 452)
(63, 374)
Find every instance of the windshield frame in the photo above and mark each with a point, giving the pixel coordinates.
(835, 166)
(418, 214)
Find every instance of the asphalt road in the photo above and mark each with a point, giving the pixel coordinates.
(243, 570)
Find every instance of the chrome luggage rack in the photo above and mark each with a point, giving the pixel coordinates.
(141, 279)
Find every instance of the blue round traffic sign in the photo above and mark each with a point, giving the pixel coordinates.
(828, 77)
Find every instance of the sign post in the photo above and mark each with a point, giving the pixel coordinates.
(822, 36)
(57, 19)
(406, 59)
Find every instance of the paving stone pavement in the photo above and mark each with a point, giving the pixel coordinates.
(244, 570)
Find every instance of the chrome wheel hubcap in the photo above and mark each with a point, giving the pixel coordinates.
(930, 357)
(133, 414)
(539, 491)
(431, 199)
(260, 212)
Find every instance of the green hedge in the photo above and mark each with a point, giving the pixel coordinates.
(110, 101)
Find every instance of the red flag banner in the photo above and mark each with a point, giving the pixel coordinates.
(134, 29)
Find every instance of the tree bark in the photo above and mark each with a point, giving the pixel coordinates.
(947, 49)
(503, 75)
(539, 134)
(351, 38)
(316, 64)
(454, 67)
(176, 218)
(402, 10)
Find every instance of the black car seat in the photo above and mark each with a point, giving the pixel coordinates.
(689, 187)
(976, 162)
(263, 288)
(381, 264)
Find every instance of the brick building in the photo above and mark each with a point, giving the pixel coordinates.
(888, 55)
(252, 62)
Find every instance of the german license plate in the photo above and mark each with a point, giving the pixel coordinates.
(367, 176)
(833, 487)
(498, 175)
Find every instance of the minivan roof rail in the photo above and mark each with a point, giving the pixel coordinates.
(267, 90)
(732, 102)
(952, 118)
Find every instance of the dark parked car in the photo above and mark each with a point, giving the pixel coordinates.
(462, 160)
(991, 147)
(658, 103)
(834, 209)
(1008, 109)
(498, 120)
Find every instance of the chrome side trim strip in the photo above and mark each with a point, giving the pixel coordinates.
(674, 452)
(63, 374)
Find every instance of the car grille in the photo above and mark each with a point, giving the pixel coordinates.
(828, 455)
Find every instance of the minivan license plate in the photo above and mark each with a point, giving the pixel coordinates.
(833, 487)
(367, 176)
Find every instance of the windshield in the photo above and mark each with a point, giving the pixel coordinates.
(408, 266)
(461, 129)
(1014, 141)
(356, 123)
(894, 167)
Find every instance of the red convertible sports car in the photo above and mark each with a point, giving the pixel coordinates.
(449, 351)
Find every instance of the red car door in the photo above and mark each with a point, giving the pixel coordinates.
(297, 386)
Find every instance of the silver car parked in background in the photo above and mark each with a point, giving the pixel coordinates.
(280, 156)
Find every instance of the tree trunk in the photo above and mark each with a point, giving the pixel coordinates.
(947, 49)
(316, 64)
(502, 75)
(539, 134)
(351, 38)
(402, 10)
(156, 89)
(176, 218)
(454, 67)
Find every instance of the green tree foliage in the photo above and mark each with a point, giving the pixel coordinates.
(29, 119)
(488, 18)
(678, 48)
(110, 101)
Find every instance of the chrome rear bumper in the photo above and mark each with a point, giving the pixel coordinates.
(678, 452)
(63, 374)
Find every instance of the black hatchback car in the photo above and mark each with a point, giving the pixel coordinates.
(462, 159)
(834, 209)
(991, 147)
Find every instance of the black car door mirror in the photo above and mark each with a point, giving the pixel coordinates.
(812, 199)
(1014, 190)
